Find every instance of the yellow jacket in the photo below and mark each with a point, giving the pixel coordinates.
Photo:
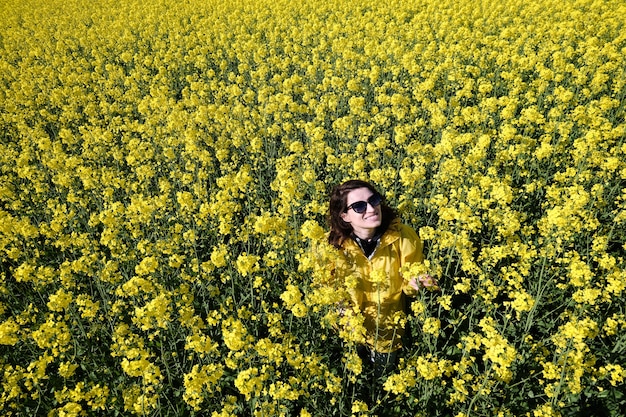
(380, 287)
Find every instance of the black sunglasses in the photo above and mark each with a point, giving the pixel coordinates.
(361, 206)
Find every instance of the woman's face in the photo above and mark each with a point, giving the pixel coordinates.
(364, 224)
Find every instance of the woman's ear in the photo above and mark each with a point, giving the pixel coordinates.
(344, 215)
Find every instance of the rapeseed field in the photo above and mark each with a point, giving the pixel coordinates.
(165, 169)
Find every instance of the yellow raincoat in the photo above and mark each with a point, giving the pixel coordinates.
(380, 290)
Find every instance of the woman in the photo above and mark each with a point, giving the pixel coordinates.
(373, 248)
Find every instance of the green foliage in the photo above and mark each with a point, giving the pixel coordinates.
(164, 175)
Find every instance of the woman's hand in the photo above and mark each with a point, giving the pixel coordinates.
(424, 281)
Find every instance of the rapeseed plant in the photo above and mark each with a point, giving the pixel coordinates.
(164, 171)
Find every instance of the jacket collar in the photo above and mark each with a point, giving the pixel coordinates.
(389, 236)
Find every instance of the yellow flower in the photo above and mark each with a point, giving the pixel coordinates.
(53, 334)
(522, 302)
(200, 343)
(155, 314)
(445, 301)
(235, 334)
(428, 367)
(359, 407)
(399, 383)
(67, 369)
(71, 409)
(463, 286)
(60, 300)
(250, 381)
(247, 264)
(613, 323)
(140, 400)
(353, 364)
(431, 325)
(379, 277)
(292, 297)
(587, 296)
(200, 383)
(352, 327)
(147, 266)
(88, 308)
(143, 368)
(312, 230)
(299, 310)
(135, 286)
(546, 410)
(283, 391)
(418, 307)
(219, 255)
(615, 372)
(498, 350)
(9, 332)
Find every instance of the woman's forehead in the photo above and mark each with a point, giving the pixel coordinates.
(358, 194)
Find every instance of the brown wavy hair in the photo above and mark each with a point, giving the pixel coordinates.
(339, 229)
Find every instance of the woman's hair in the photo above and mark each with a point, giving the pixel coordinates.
(341, 230)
